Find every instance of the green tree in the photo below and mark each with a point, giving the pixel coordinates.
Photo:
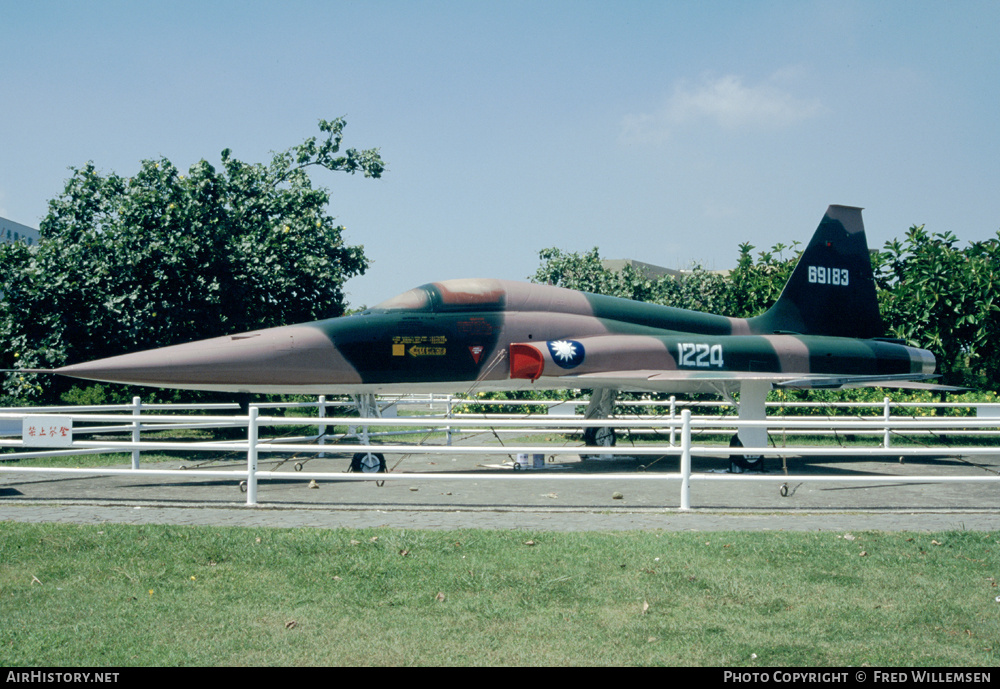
(161, 257)
(586, 273)
(756, 285)
(749, 289)
(941, 297)
(703, 290)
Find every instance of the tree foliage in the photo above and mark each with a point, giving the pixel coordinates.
(131, 263)
(584, 272)
(941, 297)
(756, 284)
(747, 290)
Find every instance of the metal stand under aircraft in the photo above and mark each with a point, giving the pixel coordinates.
(753, 394)
(751, 407)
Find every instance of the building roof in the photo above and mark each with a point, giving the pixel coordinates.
(11, 231)
(647, 269)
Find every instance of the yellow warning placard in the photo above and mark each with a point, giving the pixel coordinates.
(428, 351)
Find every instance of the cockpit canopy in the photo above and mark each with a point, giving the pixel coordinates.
(449, 296)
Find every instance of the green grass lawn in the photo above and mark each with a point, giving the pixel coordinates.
(118, 595)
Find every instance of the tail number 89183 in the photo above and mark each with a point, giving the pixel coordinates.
(821, 275)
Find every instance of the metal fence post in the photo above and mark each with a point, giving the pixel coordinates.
(449, 413)
(136, 410)
(673, 417)
(322, 428)
(252, 455)
(686, 459)
(885, 417)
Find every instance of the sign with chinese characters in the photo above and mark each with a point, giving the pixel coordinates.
(47, 431)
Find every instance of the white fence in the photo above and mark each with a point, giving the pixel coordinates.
(678, 433)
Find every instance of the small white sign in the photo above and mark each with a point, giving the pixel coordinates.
(47, 431)
(562, 409)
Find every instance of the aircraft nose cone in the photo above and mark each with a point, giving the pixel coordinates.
(285, 357)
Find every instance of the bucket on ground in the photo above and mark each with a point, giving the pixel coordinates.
(529, 461)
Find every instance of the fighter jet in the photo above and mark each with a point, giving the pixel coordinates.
(824, 331)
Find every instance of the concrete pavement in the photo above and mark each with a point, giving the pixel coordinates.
(597, 497)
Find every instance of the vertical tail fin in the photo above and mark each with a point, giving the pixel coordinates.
(832, 289)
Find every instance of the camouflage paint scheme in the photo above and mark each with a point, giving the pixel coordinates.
(458, 335)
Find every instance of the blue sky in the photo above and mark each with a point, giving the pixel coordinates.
(668, 132)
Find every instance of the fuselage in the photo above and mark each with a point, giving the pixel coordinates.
(491, 334)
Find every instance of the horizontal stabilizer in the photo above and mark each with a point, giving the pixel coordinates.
(833, 382)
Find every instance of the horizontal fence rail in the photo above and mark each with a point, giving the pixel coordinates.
(679, 430)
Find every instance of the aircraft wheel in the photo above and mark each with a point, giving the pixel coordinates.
(740, 463)
(368, 463)
(598, 437)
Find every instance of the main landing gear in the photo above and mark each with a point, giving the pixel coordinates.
(367, 462)
(602, 437)
(602, 403)
(740, 463)
(753, 394)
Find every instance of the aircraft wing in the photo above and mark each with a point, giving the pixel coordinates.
(680, 381)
